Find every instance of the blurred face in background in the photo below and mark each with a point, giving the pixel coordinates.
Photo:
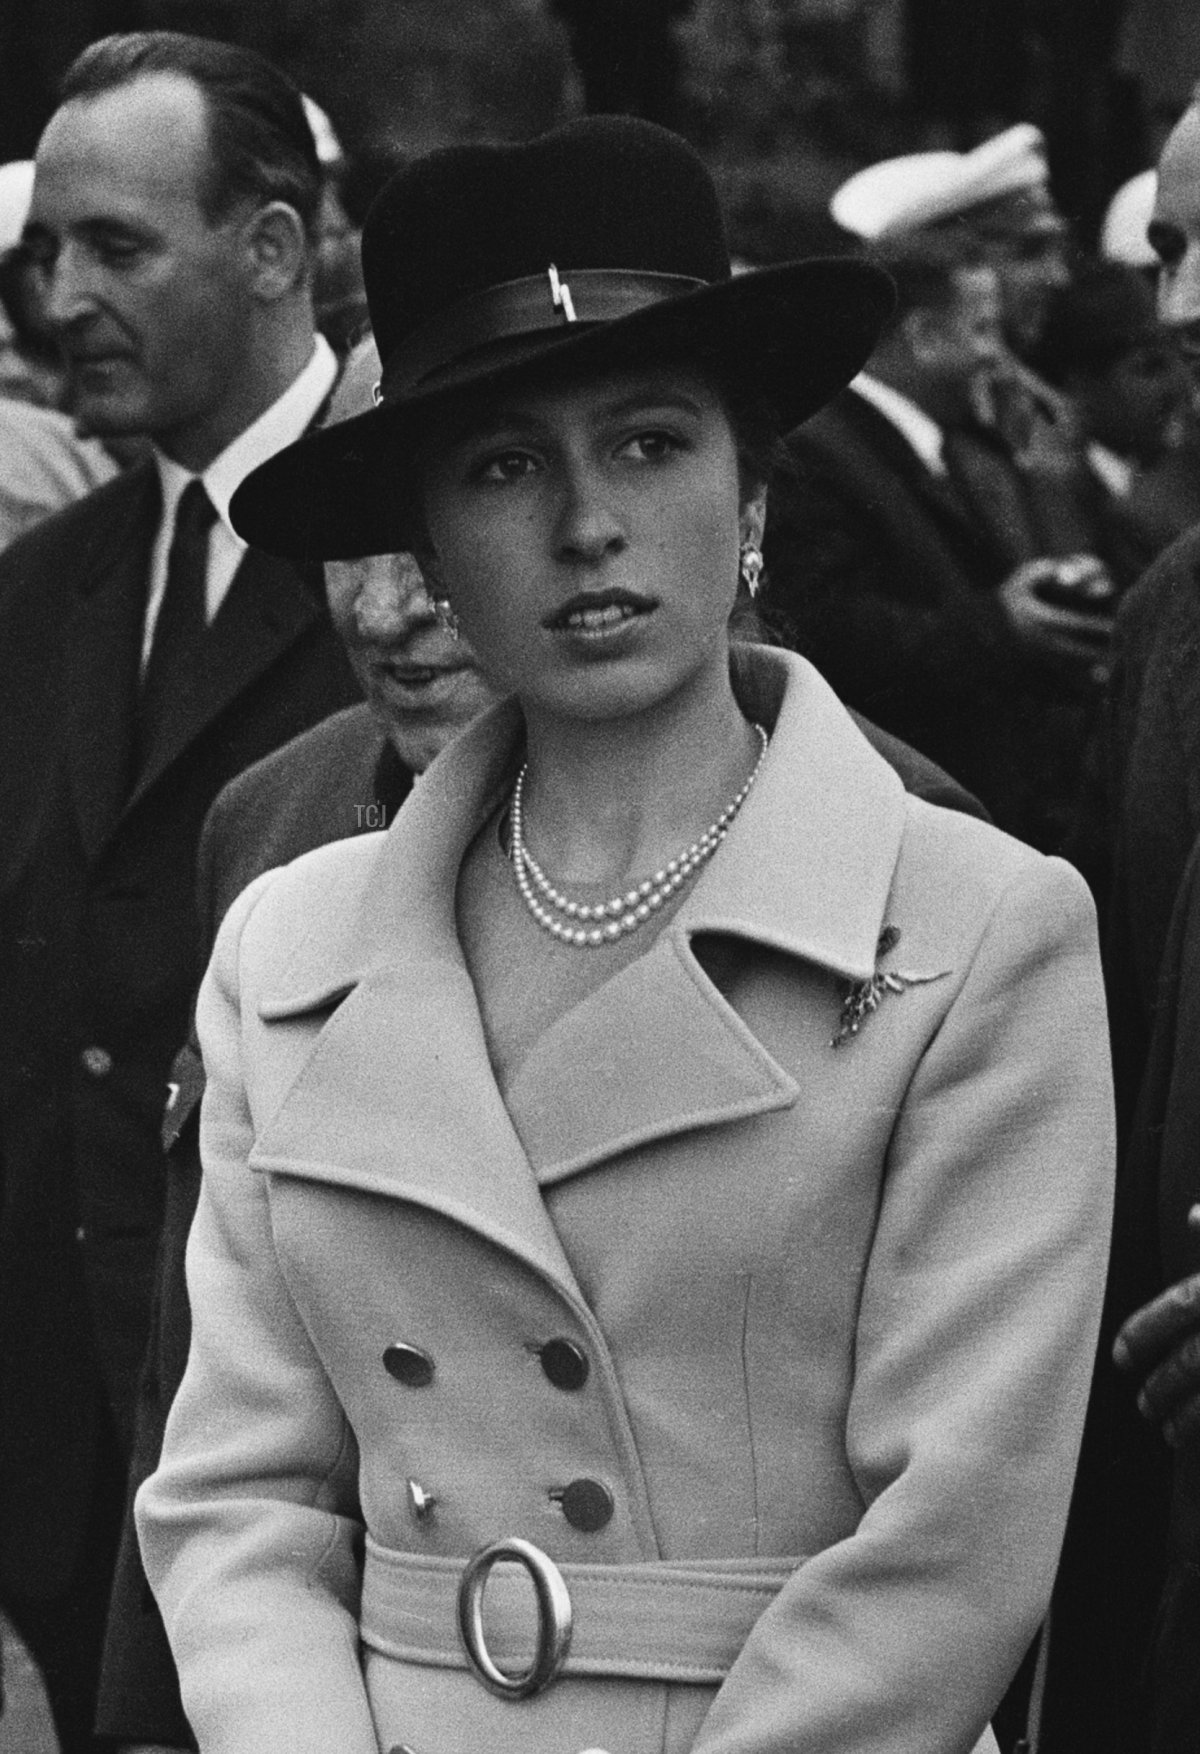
(1136, 405)
(1174, 232)
(957, 344)
(1031, 258)
(423, 684)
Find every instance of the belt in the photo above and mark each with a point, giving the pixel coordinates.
(654, 1621)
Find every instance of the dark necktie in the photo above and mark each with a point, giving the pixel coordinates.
(182, 618)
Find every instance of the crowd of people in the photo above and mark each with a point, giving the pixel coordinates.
(661, 766)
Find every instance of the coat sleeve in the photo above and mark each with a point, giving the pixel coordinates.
(974, 1345)
(250, 1528)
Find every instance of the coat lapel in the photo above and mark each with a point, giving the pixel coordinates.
(1183, 664)
(103, 642)
(398, 1094)
(268, 606)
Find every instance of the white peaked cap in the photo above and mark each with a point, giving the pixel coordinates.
(329, 147)
(16, 192)
(1123, 234)
(901, 195)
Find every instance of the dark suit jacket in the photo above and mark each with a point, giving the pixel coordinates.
(99, 959)
(1123, 1664)
(1155, 786)
(887, 577)
(1114, 1554)
(1165, 1160)
(338, 779)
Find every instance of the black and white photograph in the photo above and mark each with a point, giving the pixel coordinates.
(599, 877)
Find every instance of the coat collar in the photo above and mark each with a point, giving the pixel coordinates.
(1181, 659)
(825, 816)
(806, 870)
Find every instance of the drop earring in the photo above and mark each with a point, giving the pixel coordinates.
(445, 616)
(750, 565)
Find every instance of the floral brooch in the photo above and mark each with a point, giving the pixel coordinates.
(862, 998)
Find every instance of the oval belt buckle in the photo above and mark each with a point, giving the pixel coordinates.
(555, 1619)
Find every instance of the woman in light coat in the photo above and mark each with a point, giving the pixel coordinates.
(646, 1276)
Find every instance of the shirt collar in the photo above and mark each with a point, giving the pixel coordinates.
(1114, 472)
(923, 433)
(286, 420)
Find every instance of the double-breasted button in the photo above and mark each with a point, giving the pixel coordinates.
(408, 1365)
(586, 1504)
(97, 1061)
(420, 1502)
(565, 1364)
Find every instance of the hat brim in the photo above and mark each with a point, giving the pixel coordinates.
(793, 336)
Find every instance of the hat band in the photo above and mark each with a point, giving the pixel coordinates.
(537, 304)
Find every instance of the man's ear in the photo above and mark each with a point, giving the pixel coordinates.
(279, 251)
(753, 517)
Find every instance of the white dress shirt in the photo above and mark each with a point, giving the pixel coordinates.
(1113, 472)
(286, 420)
(923, 433)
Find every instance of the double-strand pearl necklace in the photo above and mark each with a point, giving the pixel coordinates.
(589, 924)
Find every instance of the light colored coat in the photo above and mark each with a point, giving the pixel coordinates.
(839, 1304)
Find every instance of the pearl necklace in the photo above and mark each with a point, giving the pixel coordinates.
(589, 924)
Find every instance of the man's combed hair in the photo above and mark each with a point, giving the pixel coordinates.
(261, 147)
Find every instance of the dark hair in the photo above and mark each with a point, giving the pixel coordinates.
(259, 141)
(1105, 314)
(925, 269)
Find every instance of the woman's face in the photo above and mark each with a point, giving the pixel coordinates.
(587, 537)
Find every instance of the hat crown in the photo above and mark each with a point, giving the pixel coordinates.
(478, 216)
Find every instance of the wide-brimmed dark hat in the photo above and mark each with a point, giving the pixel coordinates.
(599, 244)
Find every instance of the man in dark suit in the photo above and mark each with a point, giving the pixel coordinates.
(145, 658)
(1132, 1528)
(905, 595)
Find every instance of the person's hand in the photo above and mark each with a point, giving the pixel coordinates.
(1160, 1346)
(1060, 607)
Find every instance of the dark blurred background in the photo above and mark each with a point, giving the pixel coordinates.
(785, 97)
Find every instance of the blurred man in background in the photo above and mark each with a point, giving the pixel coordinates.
(1105, 348)
(1126, 1618)
(915, 606)
(1022, 433)
(145, 658)
(45, 464)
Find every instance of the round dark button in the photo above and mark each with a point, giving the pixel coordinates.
(587, 1505)
(409, 1365)
(565, 1364)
